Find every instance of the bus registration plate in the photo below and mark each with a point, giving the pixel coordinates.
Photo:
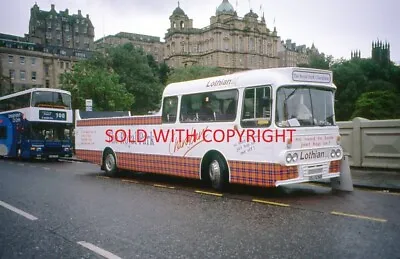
(53, 156)
(315, 177)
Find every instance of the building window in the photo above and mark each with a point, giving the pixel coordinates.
(10, 59)
(47, 83)
(66, 65)
(33, 76)
(76, 29)
(62, 65)
(33, 60)
(22, 75)
(46, 70)
(12, 73)
(22, 60)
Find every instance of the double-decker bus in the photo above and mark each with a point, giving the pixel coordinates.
(267, 127)
(36, 123)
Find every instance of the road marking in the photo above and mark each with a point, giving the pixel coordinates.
(21, 164)
(163, 186)
(357, 216)
(388, 192)
(32, 166)
(129, 181)
(103, 177)
(209, 193)
(46, 168)
(271, 203)
(18, 211)
(98, 250)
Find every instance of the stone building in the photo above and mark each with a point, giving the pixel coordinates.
(229, 42)
(60, 29)
(149, 44)
(25, 65)
(291, 55)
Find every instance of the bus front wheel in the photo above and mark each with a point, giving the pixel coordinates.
(109, 163)
(218, 172)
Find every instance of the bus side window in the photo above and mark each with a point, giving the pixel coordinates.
(169, 109)
(3, 132)
(256, 107)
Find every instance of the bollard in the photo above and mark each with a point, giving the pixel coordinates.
(344, 182)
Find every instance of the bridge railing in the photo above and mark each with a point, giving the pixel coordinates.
(371, 143)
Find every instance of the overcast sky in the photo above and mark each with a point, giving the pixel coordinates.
(335, 26)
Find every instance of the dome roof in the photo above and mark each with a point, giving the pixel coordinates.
(178, 11)
(225, 8)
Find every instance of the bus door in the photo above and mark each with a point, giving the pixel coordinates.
(7, 136)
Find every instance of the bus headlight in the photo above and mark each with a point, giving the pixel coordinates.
(295, 157)
(333, 153)
(289, 158)
(338, 152)
(66, 149)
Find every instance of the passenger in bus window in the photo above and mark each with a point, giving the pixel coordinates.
(231, 110)
(206, 112)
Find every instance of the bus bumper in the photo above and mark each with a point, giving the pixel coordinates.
(304, 179)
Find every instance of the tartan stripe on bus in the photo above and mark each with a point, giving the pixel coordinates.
(334, 166)
(89, 155)
(249, 173)
(260, 174)
(145, 120)
(171, 165)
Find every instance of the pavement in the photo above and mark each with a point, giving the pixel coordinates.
(386, 179)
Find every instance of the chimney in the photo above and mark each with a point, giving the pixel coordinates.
(66, 11)
(52, 7)
(79, 13)
(87, 16)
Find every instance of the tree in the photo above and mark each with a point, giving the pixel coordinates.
(99, 83)
(378, 105)
(138, 73)
(192, 73)
(318, 61)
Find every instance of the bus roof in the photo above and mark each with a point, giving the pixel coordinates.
(34, 90)
(270, 76)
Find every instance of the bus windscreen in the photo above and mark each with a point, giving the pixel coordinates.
(51, 100)
(304, 106)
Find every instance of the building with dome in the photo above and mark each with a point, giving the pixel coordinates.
(231, 42)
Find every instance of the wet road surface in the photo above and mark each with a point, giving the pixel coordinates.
(70, 210)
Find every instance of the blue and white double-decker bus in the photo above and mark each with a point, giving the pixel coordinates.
(36, 123)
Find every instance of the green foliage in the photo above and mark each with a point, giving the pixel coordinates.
(192, 73)
(318, 62)
(139, 73)
(360, 85)
(378, 105)
(88, 81)
(124, 78)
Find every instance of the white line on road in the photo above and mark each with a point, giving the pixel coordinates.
(46, 168)
(20, 212)
(98, 250)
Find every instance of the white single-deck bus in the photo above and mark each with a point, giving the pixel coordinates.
(36, 123)
(267, 127)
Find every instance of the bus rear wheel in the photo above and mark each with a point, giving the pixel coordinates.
(109, 163)
(218, 172)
